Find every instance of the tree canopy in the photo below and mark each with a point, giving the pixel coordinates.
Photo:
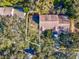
(67, 7)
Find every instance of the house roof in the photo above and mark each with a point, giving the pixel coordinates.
(11, 11)
(48, 17)
(61, 18)
(53, 22)
(5, 10)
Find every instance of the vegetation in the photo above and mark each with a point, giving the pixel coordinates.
(77, 25)
(66, 40)
(12, 36)
(12, 30)
(66, 7)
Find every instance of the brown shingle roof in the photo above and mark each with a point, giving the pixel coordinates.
(61, 19)
(48, 17)
(53, 21)
(64, 19)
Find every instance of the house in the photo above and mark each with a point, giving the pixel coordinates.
(55, 22)
(10, 11)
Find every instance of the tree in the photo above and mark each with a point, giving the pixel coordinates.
(66, 40)
(43, 6)
(13, 37)
(60, 55)
(65, 7)
(47, 33)
(9, 2)
(75, 37)
(69, 8)
(77, 25)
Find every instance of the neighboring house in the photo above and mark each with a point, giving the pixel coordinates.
(55, 23)
(10, 11)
